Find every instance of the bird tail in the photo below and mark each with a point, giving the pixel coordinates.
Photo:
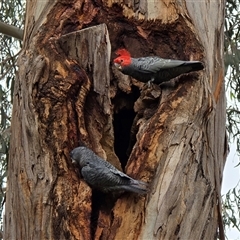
(137, 187)
(194, 65)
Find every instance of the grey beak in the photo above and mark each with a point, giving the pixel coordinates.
(117, 65)
(73, 160)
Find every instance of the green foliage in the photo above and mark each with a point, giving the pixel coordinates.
(232, 60)
(231, 210)
(231, 201)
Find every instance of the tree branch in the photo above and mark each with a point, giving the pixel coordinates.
(11, 31)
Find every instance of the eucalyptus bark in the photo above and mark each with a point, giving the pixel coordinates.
(67, 93)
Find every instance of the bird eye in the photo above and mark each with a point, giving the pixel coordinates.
(121, 60)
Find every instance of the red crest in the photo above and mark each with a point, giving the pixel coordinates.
(123, 52)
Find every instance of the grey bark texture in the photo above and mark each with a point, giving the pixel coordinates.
(68, 93)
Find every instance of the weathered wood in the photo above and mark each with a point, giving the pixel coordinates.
(91, 48)
(55, 97)
(64, 97)
(181, 130)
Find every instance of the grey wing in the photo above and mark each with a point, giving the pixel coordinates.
(103, 177)
(155, 64)
(115, 171)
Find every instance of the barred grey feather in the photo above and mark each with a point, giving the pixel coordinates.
(102, 175)
(154, 69)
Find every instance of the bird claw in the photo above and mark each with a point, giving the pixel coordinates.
(150, 83)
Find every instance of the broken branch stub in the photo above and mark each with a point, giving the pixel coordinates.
(91, 48)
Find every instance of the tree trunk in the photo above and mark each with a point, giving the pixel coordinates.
(67, 94)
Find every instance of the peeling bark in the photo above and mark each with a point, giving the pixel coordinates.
(68, 94)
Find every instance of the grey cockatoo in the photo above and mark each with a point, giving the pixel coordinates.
(102, 175)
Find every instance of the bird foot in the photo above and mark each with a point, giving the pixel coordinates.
(150, 83)
(170, 84)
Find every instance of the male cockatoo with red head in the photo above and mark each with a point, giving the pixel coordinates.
(153, 69)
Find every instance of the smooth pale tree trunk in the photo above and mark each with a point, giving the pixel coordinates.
(67, 93)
